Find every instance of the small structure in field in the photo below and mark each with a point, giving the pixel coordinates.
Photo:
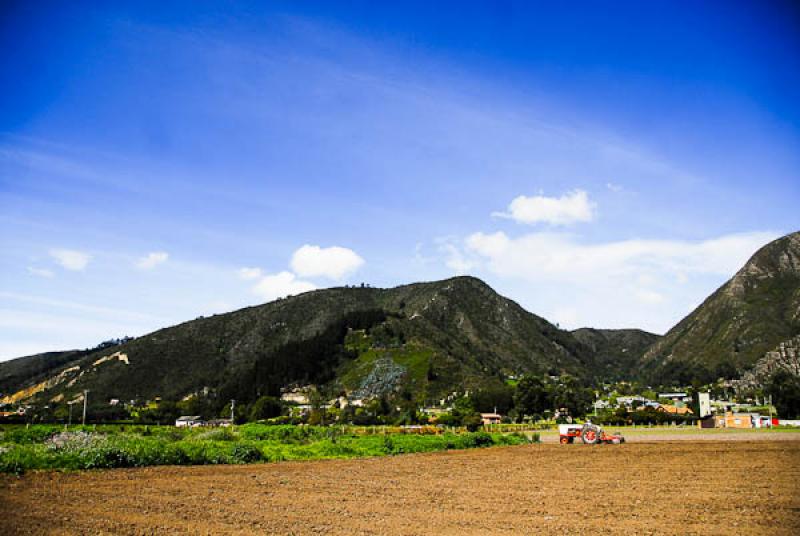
(491, 418)
(189, 421)
(736, 420)
(220, 422)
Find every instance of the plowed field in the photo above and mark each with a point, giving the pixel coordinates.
(708, 487)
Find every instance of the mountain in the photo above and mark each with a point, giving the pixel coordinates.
(617, 352)
(16, 372)
(424, 339)
(750, 315)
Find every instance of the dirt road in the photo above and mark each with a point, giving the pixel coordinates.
(737, 487)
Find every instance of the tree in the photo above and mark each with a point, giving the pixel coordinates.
(497, 396)
(785, 391)
(570, 395)
(266, 407)
(472, 421)
(532, 396)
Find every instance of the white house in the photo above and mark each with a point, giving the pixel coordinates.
(189, 421)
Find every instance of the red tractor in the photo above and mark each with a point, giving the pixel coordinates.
(589, 433)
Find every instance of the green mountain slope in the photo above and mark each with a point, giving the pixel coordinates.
(17, 372)
(426, 339)
(617, 352)
(734, 327)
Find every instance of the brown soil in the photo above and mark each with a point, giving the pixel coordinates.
(741, 487)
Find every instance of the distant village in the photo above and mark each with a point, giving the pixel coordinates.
(620, 403)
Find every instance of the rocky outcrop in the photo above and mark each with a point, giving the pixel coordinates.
(786, 356)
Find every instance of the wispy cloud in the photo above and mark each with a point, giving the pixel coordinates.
(107, 312)
(455, 259)
(70, 259)
(564, 257)
(645, 283)
(151, 260)
(249, 273)
(40, 272)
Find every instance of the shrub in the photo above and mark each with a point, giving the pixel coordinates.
(217, 434)
(245, 453)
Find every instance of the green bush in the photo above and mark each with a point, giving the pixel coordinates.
(246, 453)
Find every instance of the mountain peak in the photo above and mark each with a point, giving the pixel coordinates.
(734, 327)
(779, 257)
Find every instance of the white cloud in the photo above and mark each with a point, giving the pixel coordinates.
(249, 273)
(562, 256)
(636, 283)
(40, 272)
(333, 262)
(455, 259)
(490, 246)
(152, 260)
(614, 187)
(280, 285)
(570, 208)
(648, 296)
(70, 259)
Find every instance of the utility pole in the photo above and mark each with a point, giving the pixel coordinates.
(233, 405)
(85, 399)
(770, 411)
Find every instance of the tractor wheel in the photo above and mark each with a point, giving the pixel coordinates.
(590, 434)
(564, 440)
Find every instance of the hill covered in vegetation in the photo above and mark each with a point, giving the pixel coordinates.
(617, 352)
(748, 316)
(420, 341)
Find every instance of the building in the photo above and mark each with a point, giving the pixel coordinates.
(296, 396)
(189, 421)
(739, 420)
(491, 418)
(631, 401)
(674, 410)
(676, 397)
(220, 422)
(735, 420)
(600, 404)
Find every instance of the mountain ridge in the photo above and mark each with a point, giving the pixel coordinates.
(446, 335)
(738, 323)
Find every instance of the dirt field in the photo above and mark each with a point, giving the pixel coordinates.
(684, 487)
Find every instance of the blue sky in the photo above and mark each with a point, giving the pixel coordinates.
(605, 165)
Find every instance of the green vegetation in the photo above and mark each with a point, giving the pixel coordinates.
(617, 352)
(785, 390)
(47, 447)
(640, 417)
(535, 397)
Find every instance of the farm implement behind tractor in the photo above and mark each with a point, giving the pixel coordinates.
(589, 433)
